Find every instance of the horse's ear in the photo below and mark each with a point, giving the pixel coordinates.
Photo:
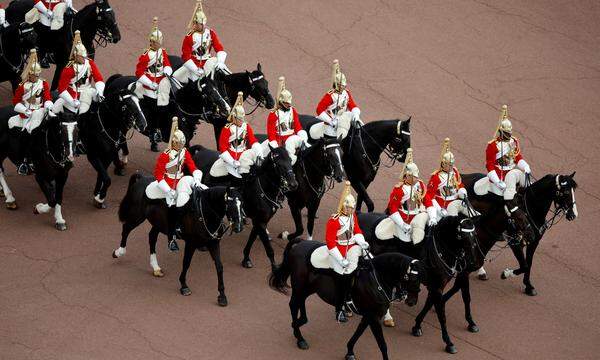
(408, 121)
(340, 138)
(572, 175)
(259, 67)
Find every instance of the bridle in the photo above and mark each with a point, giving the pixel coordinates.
(103, 34)
(282, 185)
(64, 158)
(460, 261)
(23, 55)
(253, 91)
(130, 124)
(325, 185)
(388, 149)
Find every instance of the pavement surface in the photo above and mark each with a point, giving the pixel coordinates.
(450, 65)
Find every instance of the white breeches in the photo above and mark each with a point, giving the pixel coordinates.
(161, 94)
(28, 124)
(512, 178)
(352, 255)
(292, 144)
(247, 159)
(86, 96)
(456, 207)
(183, 74)
(56, 22)
(340, 126)
(183, 189)
(417, 226)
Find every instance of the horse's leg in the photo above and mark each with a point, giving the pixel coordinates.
(359, 202)
(10, 201)
(378, 333)
(43, 208)
(529, 289)
(120, 159)
(126, 229)
(361, 191)
(60, 181)
(462, 280)
(297, 216)
(152, 239)
(187, 260)
(520, 256)
(264, 237)
(417, 330)
(246, 262)
(215, 253)
(297, 303)
(440, 309)
(98, 166)
(362, 326)
(311, 216)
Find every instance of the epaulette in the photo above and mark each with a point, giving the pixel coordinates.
(331, 91)
(492, 141)
(335, 216)
(228, 125)
(70, 63)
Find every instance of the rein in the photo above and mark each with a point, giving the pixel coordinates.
(387, 150)
(199, 209)
(323, 188)
(121, 140)
(14, 68)
(557, 212)
(451, 271)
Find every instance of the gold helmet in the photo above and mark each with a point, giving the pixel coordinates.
(410, 168)
(504, 124)
(32, 67)
(198, 17)
(283, 94)
(78, 47)
(446, 157)
(237, 111)
(346, 200)
(155, 34)
(338, 79)
(177, 135)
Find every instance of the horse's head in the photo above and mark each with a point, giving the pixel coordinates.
(131, 111)
(107, 22)
(401, 141)
(259, 87)
(565, 195)
(467, 239)
(410, 284)
(519, 226)
(333, 155)
(281, 164)
(234, 209)
(27, 37)
(209, 92)
(66, 133)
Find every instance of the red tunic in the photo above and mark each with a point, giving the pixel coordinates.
(492, 153)
(327, 102)
(160, 170)
(142, 67)
(69, 82)
(398, 197)
(38, 98)
(435, 188)
(236, 144)
(188, 52)
(334, 234)
(49, 4)
(285, 130)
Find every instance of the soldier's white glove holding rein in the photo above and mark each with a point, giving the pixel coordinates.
(197, 175)
(397, 219)
(523, 165)
(168, 71)
(496, 180)
(360, 241)
(462, 193)
(433, 220)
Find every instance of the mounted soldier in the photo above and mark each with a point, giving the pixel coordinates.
(337, 109)
(237, 144)
(48, 17)
(3, 22)
(445, 187)
(283, 125)
(153, 86)
(171, 184)
(32, 102)
(195, 50)
(345, 243)
(75, 89)
(409, 209)
(505, 163)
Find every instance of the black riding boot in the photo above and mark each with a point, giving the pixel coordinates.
(343, 284)
(25, 167)
(172, 223)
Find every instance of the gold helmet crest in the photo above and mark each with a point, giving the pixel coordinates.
(504, 123)
(338, 79)
(32, 67)
(237, 111)
(155, 34)
(347, 200)
(446, 157)
(283, 94)
(78, 47)
(176, 136)
(198, 17)
(410, 168)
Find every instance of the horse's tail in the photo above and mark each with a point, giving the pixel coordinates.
(112, 78)
(127, 202)
(280, 274)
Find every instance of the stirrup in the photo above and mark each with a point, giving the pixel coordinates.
(23, 169)
(340, 316)
(173, 245)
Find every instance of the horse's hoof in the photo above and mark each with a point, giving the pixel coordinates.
(99, 205)
(451, 349)
(61, 226)
(350, 357)
(503, 275)
(158, 273)
(222, 300)
(35, 211)
(247, 263)
(349, 313)
(114, 254)
(473, 328)
(120, 171)
(483, 277)
(2, 192)
(389, 323)
(12, 205)
(417, 331)
(531, 291)
(185, 291)
(302, 344)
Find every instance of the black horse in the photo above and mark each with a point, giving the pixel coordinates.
(448, 249)
(363, 147)
(15, 43)
(52, 154)
(202, 225)
(96, 22)
(262, 189)
(196, 101)
(378, 282)
(321, 161)
(103, 133)
(535, 200)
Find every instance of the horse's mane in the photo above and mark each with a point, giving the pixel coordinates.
(436, 240)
